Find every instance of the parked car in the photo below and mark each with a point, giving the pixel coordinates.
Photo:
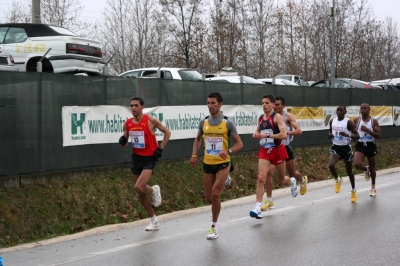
(235, 79)
(388, 84)
(163, 73)
(67, 52)
(294, 78)
(266, 80)
(276, 81)
(344, 83)
(285, 82)
(7, 62)
(388, 81)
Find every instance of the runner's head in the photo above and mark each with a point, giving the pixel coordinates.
(214, 103)
(341, 111)
(279, 104)
(365, 109)
(268, 103)
(137, 105)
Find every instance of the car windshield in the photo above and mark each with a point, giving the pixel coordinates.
(63, 31)
(190, 75)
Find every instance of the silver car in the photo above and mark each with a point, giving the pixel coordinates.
(345, 83)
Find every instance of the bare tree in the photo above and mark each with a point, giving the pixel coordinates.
(226, 33)
(200, 55)
(118, 36)
(133, 32)
(144, 24)
(18, 13)
(63, 13)
(181, 16)
(388, 50)
(320, 45)
(261, 27)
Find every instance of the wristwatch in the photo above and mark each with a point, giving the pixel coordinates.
(161, 147)
(268, 135)
(230, 151)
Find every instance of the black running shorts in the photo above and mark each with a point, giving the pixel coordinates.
(369, 149)
(139, 163)
(344, 152)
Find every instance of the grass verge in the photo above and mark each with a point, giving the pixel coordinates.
(38, 212)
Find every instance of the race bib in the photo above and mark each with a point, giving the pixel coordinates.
(267, 142)
(337, 136)
(137, 138)
(366, 137)
(213, 146)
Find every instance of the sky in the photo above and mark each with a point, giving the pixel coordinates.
(93, 9)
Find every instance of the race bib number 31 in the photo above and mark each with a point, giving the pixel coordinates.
(213, 146)
(137, 138)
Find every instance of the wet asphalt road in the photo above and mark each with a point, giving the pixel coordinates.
(319, 228)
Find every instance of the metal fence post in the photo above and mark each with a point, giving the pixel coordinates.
(39, 64)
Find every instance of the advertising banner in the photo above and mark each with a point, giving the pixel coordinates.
(396, 114)
(82, 125)
(308, 118)
(383, 114)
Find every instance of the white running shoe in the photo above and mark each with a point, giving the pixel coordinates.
(156, 196)
(228, 181)
(256, 214)
(153, 226)
(293, 187)
(367, 174)
(212, 233)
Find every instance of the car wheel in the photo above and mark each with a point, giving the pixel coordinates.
(31, 66)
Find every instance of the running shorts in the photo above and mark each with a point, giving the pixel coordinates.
(343, 151)
(369, 149)
(275, 155)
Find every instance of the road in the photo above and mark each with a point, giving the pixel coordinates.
(319, 228)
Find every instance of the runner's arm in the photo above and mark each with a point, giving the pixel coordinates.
(293, 123)
(281, 125)
(330, 135)
(351, 127)
(238, 144)
(157, 124)
(376, 133)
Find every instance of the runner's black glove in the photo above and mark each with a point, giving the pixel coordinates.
(123, 140)
(158, 153)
